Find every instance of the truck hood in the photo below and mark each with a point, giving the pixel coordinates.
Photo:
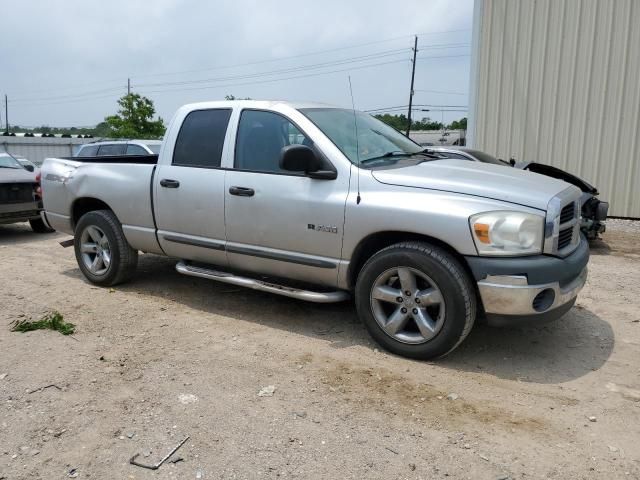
(16, 175)
(474, 178)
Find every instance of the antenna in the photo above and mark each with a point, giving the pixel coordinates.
(355, 124)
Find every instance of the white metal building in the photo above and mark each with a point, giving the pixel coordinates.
(558, 81)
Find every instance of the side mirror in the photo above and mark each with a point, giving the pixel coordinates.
(29, 168)
(300, 158)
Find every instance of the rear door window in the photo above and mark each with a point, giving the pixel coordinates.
(201, 138)
(88, 151)
(133, 149)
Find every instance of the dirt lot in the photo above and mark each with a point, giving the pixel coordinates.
(167, 356)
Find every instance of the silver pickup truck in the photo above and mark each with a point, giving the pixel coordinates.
(319, 203)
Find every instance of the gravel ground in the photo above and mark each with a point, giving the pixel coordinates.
(167, 356)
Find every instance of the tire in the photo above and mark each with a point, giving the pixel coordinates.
(439, 312)
(102, 251)
(38, 226)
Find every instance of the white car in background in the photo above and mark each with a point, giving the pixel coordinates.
(119, 147)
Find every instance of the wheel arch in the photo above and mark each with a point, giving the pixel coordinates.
(85, 205)
(375, 242)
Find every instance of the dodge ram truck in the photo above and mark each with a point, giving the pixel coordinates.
(322, 203)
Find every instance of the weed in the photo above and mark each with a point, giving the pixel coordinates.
(52, 321)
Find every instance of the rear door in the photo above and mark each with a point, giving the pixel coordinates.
(189, 192)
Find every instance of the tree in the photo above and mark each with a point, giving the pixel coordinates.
(233, 97)
(135, 119)
(459, 124)
(400, 122)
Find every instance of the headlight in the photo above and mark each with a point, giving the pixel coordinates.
(507, 233)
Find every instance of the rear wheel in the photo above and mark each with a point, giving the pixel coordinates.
(416, 300)
(102, 251)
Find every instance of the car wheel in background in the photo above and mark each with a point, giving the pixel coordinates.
(38, 225)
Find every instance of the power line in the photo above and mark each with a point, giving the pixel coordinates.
(76, 95)
(358, 59)
(271, 80)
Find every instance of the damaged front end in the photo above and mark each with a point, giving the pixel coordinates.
(594, 210)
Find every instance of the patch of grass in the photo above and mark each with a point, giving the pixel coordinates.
(52, 321)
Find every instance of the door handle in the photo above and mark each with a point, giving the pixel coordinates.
(168, 183)
(242, 191)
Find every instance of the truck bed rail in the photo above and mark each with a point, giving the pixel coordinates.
(143, 159)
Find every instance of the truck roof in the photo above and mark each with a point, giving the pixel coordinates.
(255, 104)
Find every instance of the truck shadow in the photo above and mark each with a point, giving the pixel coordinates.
(558, 352)
(15, 233)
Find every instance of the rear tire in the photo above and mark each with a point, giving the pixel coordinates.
(416, 300)
(102, 251)
(38, 226)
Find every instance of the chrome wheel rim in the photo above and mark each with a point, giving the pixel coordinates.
(95, 250)
(407, 305)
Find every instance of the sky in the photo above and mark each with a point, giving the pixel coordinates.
(65, 63)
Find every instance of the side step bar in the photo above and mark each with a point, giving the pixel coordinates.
(309, 296)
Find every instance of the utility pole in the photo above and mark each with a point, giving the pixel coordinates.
(128, 86)
(413, 76)
(6, 114)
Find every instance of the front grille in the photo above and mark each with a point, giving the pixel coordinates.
(566, 215)
(565, 237)
(16, 193)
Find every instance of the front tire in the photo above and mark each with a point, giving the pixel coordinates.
(102, 251)
(416, 300)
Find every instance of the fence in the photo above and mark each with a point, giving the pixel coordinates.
(37, 149)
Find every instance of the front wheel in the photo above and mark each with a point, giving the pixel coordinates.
(102, 251)
(416, 300)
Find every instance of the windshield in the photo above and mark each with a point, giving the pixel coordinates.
(376, 140)
(155, 148)
(7, 161)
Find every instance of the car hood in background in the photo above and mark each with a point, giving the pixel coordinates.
(16, 175)
(473, 178)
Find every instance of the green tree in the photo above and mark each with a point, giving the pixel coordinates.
(233, 97)
(135, 119)
(459, 124)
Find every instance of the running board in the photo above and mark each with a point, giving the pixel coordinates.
(309, 296)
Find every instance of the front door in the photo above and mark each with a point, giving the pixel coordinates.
(189, 192)
(277, 222)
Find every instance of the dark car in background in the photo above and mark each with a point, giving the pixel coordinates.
(119, 147)
(594, 210)
(20, 195)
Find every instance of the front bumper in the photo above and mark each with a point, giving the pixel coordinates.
(529, 289)
(18, 212)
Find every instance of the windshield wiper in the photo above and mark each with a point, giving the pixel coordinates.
(395, 153)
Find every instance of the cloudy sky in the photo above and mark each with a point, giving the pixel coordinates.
(65, 63)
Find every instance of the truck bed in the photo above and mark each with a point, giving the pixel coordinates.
(121, 182)
(143, 159)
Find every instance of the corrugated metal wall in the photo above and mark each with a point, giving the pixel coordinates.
(37, 149)
(558, 81)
